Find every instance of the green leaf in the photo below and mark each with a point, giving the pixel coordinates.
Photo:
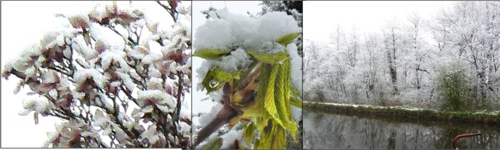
(295, 92)
(257, 143)
(281, 93)
(269, 59)
(266, 137)
(265, 73)
(218, 76)
(248, 133)
(287, 39)
(209, 77)
(210, 54)
(269, 99)
(262, 121)
(293, 131)
(221, 75)
(293, 95)
(295, 98)
(279, 138)
(272, 137)
(216, 144)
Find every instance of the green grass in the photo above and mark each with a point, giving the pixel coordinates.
(397, 114)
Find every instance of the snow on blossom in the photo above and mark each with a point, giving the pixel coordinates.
(30, 72)
(100, 119)
(92, 58)
(113, 56)
(53, 93)
(151, 134)
(149, 59)
(185, 128)
(109, 38)
(50, 77)
(37, 104)
(127, 80)
(86, 51)
(156, 95)
(84, 74)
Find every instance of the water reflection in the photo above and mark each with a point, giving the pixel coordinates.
(330, 131)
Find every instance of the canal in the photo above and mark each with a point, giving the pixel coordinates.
(332, 131)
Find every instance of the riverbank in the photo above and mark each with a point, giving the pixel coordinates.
(401, 113)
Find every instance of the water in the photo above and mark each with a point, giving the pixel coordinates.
(331, 131)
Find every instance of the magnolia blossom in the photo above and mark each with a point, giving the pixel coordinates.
(114, 76)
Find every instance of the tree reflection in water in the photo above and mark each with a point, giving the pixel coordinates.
(330, 131)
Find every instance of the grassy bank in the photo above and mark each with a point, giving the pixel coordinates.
(404, 114)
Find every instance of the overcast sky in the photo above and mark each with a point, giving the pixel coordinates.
(321, 17)
(241, 7)
(24, 23)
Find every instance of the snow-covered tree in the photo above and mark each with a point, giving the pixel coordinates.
(469, 31)
(114, 76)
(254, 76)
(405, 64)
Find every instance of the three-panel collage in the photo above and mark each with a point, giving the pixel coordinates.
(250, 74)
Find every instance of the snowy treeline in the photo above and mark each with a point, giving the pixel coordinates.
(455, 56)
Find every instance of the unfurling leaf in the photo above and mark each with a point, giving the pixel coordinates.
(269, 59)
(216, 144)
(287, 39)
(210, 54)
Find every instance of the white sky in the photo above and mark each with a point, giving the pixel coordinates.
(24, 23)
(241, 7)
(321, 17)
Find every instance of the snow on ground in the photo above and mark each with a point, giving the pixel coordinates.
(397, 107)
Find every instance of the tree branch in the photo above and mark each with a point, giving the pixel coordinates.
(169, 10)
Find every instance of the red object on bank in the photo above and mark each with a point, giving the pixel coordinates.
(461, 136)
